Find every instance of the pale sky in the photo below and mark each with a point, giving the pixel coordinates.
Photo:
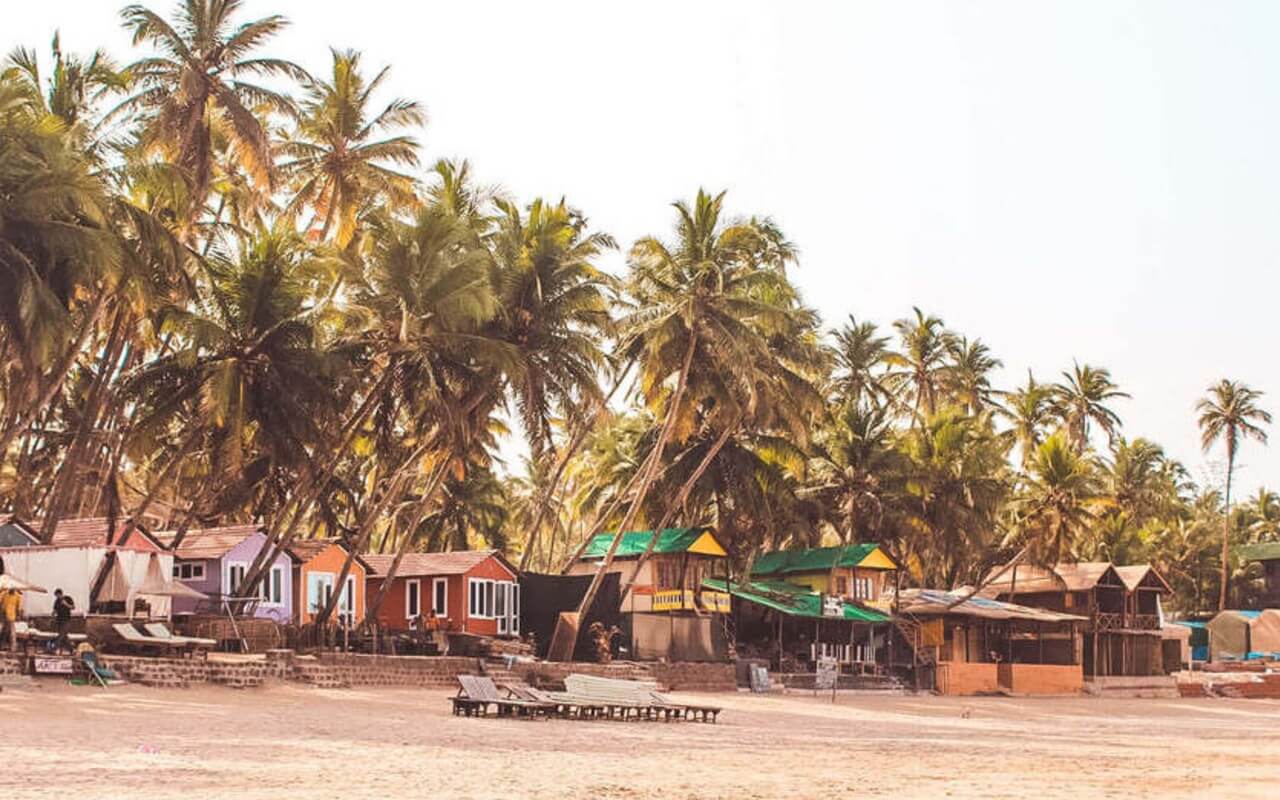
(1089, 180)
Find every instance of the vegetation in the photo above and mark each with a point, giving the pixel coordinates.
(229, 292)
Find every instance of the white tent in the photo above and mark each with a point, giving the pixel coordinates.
(75, 569)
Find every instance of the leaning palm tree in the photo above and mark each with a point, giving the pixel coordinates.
(345, 155)
(199, 74)
(1231, 414)
(1081, 400)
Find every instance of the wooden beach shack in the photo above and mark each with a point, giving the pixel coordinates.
(669, 613)
(471, 591)
(1122, 635)
(982, 646)
(861, 573)
(317, 563)
(213, 561)
(1268, 555)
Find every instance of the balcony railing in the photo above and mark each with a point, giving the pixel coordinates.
(687, 600)
(1113, 621)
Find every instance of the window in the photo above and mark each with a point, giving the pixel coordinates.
(412, 599)
(863, 589)
(188, 571)
(440, 596)
(235, 576)
(319, 590)
(348, 602)
(481, 598)
(842, 586)
(500, 605)
(271, 590)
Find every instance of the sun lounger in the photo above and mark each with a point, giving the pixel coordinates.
(105, 677)
(160, 631)
(477, 693)
(566, 705)
(134, 639)
(641, 693)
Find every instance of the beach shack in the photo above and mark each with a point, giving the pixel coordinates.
(471, 591)
(1122, 635)
(213, 561)
(91, 559)
(317, 563)
(858, 572)
(977, 645)
(669, 613)
(1268, 555)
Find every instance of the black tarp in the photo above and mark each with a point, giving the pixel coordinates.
(546, 596)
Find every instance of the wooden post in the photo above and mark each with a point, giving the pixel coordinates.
(1040, 636)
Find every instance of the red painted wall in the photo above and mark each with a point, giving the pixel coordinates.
(391, 615)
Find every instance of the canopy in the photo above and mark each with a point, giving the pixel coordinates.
(155, 583)
(11, 582)
(1229, 634)
(116, 587)
(935, 601)
(792, 600)
(1264, 632)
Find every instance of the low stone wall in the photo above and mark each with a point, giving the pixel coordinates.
(179, 673)
(552, 673)
(693, 676)
(437, 672)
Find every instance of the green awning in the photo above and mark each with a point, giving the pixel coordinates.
(792, 600)
(1262, 551)
(670, 540)
(818, 559)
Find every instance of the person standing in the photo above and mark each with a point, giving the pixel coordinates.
(62, 607)
(10, 608)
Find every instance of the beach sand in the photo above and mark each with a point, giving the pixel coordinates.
(290, 741)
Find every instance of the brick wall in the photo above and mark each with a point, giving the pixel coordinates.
(694, 676)
(437, 672)
(963, 678)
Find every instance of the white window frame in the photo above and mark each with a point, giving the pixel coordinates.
(194, 570)
(502, 593)
(229, 585)
(409, 611)
(480, 598)
(306, 590)
(436, 584)
(347, 601)
(274, 579)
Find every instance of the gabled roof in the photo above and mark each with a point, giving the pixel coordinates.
(670, 540)
(1078, 577)
(822, 559)
(792, 600)
(416, 565)
(1143, 575)
(209, 543)
(92, 532)
(935, 601)
(16, 533)
(304, 550)
(1261, 551)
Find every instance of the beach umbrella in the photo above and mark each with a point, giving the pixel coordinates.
(8, 581)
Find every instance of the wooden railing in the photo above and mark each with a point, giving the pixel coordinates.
(1107, 621)
(686, 600)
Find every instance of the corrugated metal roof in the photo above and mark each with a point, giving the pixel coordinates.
(926, 602)
(1261, 551)
(791, 599)
(413, 565)
(816, 559)
(209, 543)
(633, 544)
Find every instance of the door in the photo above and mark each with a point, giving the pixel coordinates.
(319, 590)
(500, 607)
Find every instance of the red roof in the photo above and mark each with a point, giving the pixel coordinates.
(92, 532)
(415, 565)
(304, 550)
(209, 543)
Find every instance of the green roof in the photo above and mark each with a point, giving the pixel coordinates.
(818, 559)
(670, 540)
(791, 599)
(1262, 551)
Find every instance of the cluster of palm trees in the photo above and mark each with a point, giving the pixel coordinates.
(230, 291)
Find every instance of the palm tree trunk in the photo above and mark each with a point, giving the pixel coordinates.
(570, 450)
(1226, 533)
(650, 472)
(374, 604)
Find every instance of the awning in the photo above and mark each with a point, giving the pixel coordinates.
(156, 584)
(8, 581)
(792, 600)
(935, 601)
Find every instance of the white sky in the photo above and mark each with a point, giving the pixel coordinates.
(1090, 180)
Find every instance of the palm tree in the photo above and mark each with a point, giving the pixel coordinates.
(1029, 412)
(72, 90)
(197, 76)
(1082, 399)
(342, 156)
(1055, 509)
(860, 354)
(1264, 508)
(969, 380)
(853, 460)
(1231, 414)
(922, 361)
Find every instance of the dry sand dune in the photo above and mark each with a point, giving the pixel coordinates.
(137, 743)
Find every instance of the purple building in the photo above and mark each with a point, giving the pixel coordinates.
(214, 561)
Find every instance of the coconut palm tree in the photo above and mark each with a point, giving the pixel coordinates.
(201, 73)
(1057, 506)
(1081, 400)
(1029, 412)
(860, 356)
(73, 89)
(1230, 414)
(344, 155)
(922, 362)
(968, 381)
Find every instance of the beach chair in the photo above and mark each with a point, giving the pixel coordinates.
(627, 700)
(105, 677)
(565, 704)
(197, 644)
(477, 693)
(135, 640)
(695, 711)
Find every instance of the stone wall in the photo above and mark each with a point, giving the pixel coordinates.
(436, 672)
(695, 676)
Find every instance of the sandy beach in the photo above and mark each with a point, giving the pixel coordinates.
(138, 743)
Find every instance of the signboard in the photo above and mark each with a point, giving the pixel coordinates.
(51, 665)
(832, 606)
(759, 679)
(828, 672)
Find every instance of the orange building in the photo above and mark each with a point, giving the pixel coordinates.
(472, 591)
(317, 563)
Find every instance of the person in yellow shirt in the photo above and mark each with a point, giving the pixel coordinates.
(10, 608)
